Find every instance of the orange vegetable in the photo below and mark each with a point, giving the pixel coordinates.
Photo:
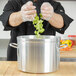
(68, 42)
(66, 49)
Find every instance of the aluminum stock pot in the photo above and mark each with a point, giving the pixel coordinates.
(38, 55)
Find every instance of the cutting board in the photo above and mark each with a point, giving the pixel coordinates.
(11, 69)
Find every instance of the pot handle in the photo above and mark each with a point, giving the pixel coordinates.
(14, 45)
(64, 46)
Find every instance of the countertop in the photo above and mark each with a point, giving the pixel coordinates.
(9, 68)
(68, 54)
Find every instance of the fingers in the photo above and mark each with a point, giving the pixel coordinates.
(46, 16)
(46, 4)
(47, 8)
(46, 12)
(26, 8)
(30, 17)
(27, 17)
(31, 7)
(32, 12)
(29, 3)
(28, 11)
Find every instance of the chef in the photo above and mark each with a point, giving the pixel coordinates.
(18, 16)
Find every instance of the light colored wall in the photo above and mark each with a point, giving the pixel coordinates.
(70, 7)
(3, 34)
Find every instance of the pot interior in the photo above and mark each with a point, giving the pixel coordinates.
(42, 37)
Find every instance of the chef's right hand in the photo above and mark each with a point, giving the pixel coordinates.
(28, 11)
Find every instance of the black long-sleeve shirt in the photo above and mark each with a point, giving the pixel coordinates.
(27, 28)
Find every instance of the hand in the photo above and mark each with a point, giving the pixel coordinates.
(47, 11)
(28, 11)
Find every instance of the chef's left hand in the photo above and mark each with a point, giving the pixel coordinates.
(47, 11)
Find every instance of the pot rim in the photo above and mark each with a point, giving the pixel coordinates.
(42, 37)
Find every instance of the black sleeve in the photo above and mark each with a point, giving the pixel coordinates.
(7, 11)
(58, 8)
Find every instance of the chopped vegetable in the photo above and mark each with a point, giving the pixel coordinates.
(68, 42)
(38, 24)
(66, 49)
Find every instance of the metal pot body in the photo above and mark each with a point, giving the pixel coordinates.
(38, 55)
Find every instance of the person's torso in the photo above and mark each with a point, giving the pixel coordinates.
(27, 28)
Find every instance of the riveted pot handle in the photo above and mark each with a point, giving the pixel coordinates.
(14, 45)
